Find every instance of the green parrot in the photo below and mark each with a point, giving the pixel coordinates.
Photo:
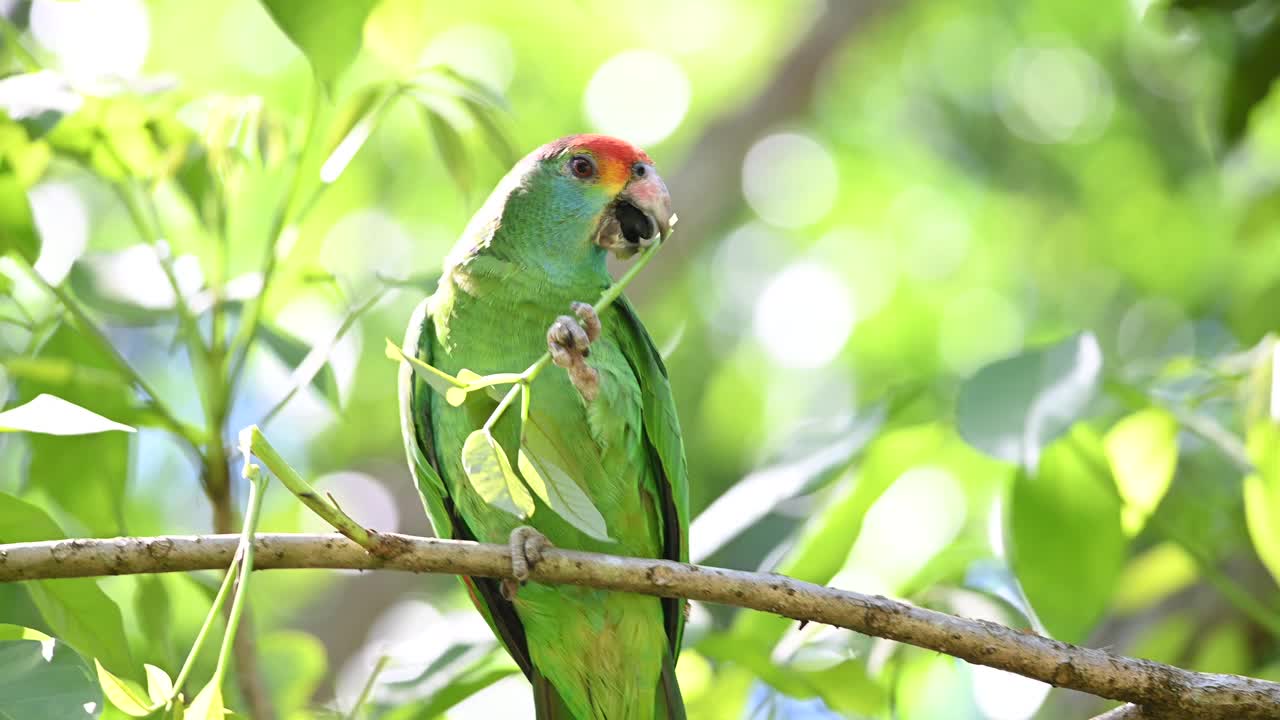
(534, 253)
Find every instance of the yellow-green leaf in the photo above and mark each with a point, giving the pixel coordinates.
(455, 396)
(556, 488)
(439, 380)
(1142, 451)
(124, 694)
(207, 704)
(490, 473)
(328, 32)
(1262, 494)
(159, 686)
(17, 224)
(52, 415)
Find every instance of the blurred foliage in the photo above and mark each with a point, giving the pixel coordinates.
(990, 327)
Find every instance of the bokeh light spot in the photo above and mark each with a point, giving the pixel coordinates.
(63, 222)
(1004, 696)
(1053, 95)
(790, 180)
(364, 244)
(918, 516)
(94, 39)
(804, 316)
(639, 95)
(479, 52)
(361, 496)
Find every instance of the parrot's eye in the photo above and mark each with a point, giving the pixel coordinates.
(639, 170)
(582, 167)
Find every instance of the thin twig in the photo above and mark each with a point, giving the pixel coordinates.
(1176, 692)
(99, 338)
(315, 360)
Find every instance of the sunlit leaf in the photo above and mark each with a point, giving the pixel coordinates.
(491, 475)
(328, 32)
(76, 609)
(1013, 408)
(43, 678)
(1153, 575)
(439, 380)
(1068, 546)
(159, 684)
(207, 704)
(38, 100)
(559, 491)
(93, 492)
(124, 695)
(823, 546)
(17, 225)
(1262, 494)
(354, 123)
(461, 685)
(1143, 453)
(54, 416)
(1225, 649)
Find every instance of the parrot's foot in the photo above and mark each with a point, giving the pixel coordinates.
(569, 342)
(526, 546)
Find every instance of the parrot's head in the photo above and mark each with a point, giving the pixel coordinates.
(611, 182)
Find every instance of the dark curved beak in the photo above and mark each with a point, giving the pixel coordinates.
(648, 193)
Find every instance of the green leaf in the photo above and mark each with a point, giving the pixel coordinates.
(547, 478)
(328, 32)
(457, 687)
(43, 678)
(1262, 494)
(490, 473)
(159, 684)
(294, 665)
(1013, 408)
(17, 224)
(1142, 450)
(351, 128)
(93, 492)
(126, 696)
(152, 607)
(823, 546)
(292, 352)
(439, 380)
(207, 704)
(452, 150)
(76, 609)
(54, 416)
(1068, 545)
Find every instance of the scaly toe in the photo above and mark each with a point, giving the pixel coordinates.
(590, 320)
(526, 545)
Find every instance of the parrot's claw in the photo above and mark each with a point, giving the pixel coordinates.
(526, 546)
(569, 342)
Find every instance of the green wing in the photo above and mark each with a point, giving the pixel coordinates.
(415, 426)
(666, 448)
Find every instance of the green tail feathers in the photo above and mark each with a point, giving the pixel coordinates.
(668, 705)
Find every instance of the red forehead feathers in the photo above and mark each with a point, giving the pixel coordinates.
(614, 157)
(605, 146)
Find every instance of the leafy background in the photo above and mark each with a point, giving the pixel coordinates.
(977, 316)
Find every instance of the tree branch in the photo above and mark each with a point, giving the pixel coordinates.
(1125, 712)
(1161, 690)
